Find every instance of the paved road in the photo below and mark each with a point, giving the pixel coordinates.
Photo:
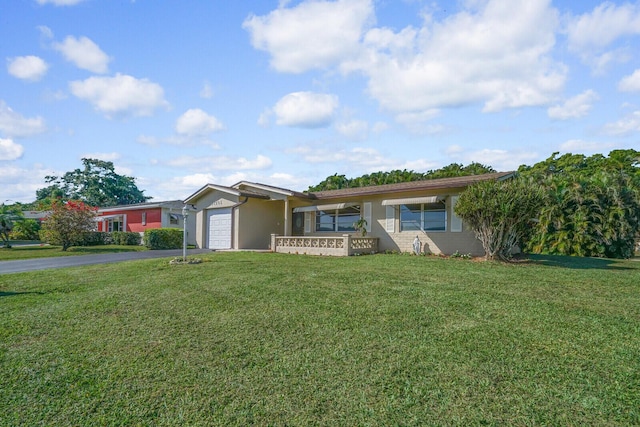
(19, 266)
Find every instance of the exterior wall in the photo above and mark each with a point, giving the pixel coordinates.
(435, 242)
(255, 221)
(134, 219)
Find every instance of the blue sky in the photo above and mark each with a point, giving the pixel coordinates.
(182, 93)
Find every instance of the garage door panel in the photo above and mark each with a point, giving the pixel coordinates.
(219, 228)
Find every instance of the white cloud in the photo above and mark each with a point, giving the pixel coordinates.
(20, 184)
(15, 125)
(45, 31)
(147, 140)
(606, 23)
(220, 162)
(630, 83)
(624, 126)
(580, 146)
(356, 130)
(501, 160)
(29, 67)
(195, 122)
(573, 108)
(590, 34)
(313, 34)
(121, 95)
(306, 109)
(84, 53)
(60, 2)
(9, 150)
(498, 54)
(357, 160)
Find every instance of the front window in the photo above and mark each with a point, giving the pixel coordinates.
(341, 220)
(173, 219)
(425, 217)
(115, 224)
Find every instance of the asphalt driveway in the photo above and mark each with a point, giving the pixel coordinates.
(20, 266)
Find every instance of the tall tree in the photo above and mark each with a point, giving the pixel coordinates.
(97, 184)
(591, 205)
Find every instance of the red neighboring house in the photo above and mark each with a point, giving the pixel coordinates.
(143, 216)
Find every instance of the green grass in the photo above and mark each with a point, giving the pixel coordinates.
(46, 251)
(269, 339)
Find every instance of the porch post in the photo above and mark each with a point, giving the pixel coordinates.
(287, 226)
(347, 244)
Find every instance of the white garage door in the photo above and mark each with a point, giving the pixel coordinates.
(219, 228)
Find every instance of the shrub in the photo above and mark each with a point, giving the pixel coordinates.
(163, 238)
(94, 238)
(126, 238)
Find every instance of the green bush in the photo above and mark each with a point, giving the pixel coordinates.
(94, 238)
(26, 229)
(163, 238)
(126, 238)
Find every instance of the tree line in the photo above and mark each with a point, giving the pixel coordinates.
(568, 204)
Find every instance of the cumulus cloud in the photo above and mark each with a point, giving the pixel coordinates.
(15, 125)
(220, 162)
(591, 34)
(29, 67)
(573, 108)
(84, 53)
(9, 150)
(306, 109)
(498, 54)
(20, 184)
(630, 83)
(195, 122)
(313, 34)
(624, 126)
(120, 96)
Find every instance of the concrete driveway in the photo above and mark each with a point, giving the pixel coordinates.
(20, 266)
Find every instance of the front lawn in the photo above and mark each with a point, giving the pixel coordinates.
(46, 251)
(272, 339)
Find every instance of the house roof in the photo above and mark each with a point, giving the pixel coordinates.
(146, 205)
(272, 188)
(430, 184)
(224, 189)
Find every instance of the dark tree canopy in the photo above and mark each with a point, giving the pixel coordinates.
(336, 182)
(97, 184)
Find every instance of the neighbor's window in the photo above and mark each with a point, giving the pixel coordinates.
(173, 219)
(337, 220)
(426, 217)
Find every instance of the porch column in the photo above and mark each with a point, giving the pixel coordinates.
(287, 220)
(124, 222)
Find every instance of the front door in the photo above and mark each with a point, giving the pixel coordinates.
(297, 228)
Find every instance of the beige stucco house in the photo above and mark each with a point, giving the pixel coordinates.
(250, 215)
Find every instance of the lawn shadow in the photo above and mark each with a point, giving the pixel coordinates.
(578, 263)
(13, 294)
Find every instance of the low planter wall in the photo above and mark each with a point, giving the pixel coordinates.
(344, 245)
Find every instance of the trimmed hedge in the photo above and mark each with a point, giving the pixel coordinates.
(163, 238)
(128, 238)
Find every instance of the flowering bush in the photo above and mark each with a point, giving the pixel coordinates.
(67, 223)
